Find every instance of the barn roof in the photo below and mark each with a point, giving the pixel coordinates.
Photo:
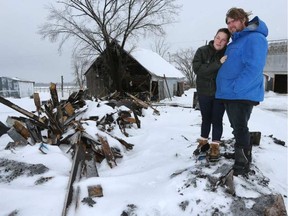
(155, 64)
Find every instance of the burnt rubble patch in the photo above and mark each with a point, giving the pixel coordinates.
(130, 210)
(57, 122)
(270, 205)
(277, 141)
(60, 122)
(42, 180)
(10, 170)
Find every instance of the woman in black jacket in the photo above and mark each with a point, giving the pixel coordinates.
(206, 63)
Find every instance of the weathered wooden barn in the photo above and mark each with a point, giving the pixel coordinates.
(17, 88)
(147, 73)
(275, 70)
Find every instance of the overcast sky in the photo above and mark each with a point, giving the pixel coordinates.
(25, 55)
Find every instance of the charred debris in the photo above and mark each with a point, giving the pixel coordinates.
(56, 122)
(52, 119)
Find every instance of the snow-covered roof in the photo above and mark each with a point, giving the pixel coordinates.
(155, 64)
(17, 79)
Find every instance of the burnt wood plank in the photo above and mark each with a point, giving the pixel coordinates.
(107, 151)
(75, 175)
(21, 129)
(127, 145)
(37, 102)
(54, 124)
(142, 103)
(54, 94)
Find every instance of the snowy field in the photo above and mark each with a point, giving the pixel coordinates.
(144, 182)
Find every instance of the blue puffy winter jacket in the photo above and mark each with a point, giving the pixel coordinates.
(241, 76)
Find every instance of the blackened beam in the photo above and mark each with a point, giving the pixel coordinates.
(23, 111)
(84, 164)
(55, 126)
(78, 159)
(142, 103)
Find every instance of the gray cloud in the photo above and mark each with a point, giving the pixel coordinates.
(25, 55)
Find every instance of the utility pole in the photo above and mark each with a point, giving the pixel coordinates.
(62, 86)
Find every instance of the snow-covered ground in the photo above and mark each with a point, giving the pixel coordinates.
(156, 177)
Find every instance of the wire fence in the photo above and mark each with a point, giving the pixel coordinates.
(65, 90)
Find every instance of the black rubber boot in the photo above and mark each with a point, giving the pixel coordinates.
(242, 164)
(248, 153)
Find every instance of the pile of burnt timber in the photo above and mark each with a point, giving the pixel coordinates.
(52, 122)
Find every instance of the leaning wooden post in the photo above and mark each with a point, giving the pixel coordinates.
(167, 86)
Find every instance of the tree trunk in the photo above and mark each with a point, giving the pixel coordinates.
(115, 67)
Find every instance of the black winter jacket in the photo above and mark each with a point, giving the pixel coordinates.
(206, 63)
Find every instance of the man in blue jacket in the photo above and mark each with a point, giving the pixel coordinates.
(240, 82)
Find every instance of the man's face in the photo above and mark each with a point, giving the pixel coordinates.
(235, 25)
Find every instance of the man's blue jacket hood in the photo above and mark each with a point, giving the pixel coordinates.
(241, 76)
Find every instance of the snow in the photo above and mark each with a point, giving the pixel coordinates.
(143, 183)
(154, 63)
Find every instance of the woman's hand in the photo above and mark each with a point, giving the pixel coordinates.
(223, 59)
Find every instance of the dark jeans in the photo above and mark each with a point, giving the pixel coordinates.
(239, 114)
(212, 112)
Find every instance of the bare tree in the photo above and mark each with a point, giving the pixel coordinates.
(183, 62)
(98, 25)
(80, 65)
(161, 47)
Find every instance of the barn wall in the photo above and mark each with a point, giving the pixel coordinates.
(136, 80)
(95, 82)
(276, 63)
(168, 87)
(275, 69)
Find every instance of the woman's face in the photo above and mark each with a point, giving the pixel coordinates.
(220, 40)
